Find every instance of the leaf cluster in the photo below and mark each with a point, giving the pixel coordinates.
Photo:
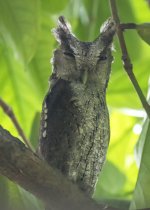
(26, 46)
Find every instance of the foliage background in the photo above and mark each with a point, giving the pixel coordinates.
(26, 46)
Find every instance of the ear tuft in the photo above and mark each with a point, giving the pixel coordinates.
(64, 25)
(108, 28)
(63, 31)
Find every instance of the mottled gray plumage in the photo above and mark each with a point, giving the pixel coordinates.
(75, 121)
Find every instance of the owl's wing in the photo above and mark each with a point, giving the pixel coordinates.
(56, 115)
(59, 91)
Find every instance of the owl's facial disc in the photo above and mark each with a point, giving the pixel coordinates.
(89, 52)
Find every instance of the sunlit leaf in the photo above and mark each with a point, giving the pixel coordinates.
(141, 142)
(19, 26)
(109, 188)
(39, 68)
(21, 40)
(141, 197)
(105, 180)
(18, 91)
(54, 6)
(121, 150)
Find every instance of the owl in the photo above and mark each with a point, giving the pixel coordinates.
(75, 131)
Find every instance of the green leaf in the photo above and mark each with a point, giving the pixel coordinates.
(17, 90)
(144, 32)
(34, 136)
(110, 185)
(25, 90)
(13, 197)
(105, 180)
(141, 197)
(54, 6)
(19, 26)
(40, 67)
(141, 142)
(3, 193)
(121, 152)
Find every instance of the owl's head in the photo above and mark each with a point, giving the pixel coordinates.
(79, 60)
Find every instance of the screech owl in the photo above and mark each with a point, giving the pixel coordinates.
(75, 121)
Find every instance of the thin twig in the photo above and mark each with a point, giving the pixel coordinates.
(126, 59)
(8, 110)
(124, 26)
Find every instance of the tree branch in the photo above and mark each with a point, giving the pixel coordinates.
(22, 166)
(126, 59)
(8, 110)
(25, 168)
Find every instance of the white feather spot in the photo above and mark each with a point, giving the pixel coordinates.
(45, 106)
(44, 134)
(45, 111)
(101, 160)
(45, 117)
(45, 124)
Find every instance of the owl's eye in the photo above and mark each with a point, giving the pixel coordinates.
(69, 54)
(102, 57)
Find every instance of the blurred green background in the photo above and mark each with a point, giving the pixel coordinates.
(26, 46)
